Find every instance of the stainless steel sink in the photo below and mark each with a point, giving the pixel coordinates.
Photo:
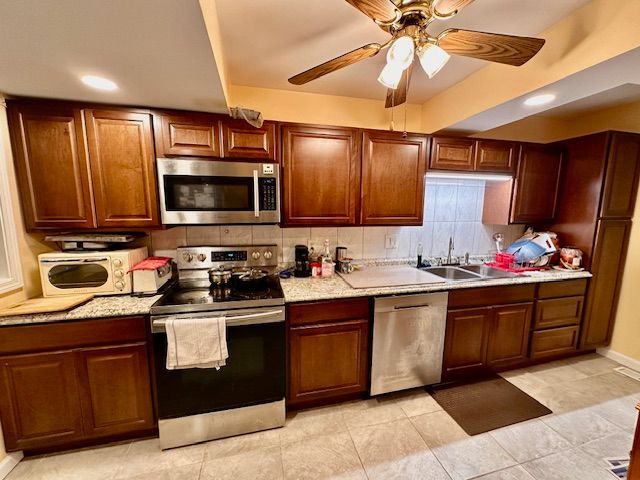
(453, 273)
(468, 273)
(488, 272)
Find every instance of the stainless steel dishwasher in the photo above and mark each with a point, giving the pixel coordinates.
(408, 341)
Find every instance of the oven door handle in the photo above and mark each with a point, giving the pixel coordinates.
(256, 195)
(158, 326)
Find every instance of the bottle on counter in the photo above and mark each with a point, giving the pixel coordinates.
(326, 260)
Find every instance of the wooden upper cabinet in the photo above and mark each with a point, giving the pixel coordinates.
(115, 391)
(241, 140)
(51, 167)
(496, 157)
(392, 163)
(191, 136)
(452, 154)
(535, 194)
(39, 403)
(621, 184)
(321, 170)
(122, 161)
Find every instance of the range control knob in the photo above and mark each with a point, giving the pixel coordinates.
(119, 285)
(202, 257)
(119, 273)
(268, 254)
(187, 256)
(255, 255)
(117, 262)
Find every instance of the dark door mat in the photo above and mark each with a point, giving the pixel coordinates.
(487, 404)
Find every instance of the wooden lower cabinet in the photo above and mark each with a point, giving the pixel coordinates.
(558, 312)
(634, 464)
(39, 403)
(509, 335)
(62, 395)
(466, 341)
(554, 342)
(328, 359)
(114, 389)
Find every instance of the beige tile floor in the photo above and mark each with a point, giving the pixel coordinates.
(400, 436)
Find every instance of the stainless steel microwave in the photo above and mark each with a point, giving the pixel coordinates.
(218, 192)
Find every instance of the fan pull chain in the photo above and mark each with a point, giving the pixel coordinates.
(393, 99)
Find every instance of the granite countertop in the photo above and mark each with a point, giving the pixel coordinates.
(99, 307)
(310, 289)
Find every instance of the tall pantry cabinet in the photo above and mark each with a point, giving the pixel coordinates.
(599, 187)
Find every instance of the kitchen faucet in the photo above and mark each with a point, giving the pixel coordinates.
(449, 260)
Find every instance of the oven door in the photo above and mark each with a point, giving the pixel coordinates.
(70, 276)
(254, 372)
(209, 191)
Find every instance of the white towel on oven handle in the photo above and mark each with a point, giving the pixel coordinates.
(196, 342)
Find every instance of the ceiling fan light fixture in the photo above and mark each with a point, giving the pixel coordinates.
(390, 75)
(401, 52)
(432, 59)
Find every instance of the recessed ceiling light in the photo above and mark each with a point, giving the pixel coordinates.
(99, 82)
(539, 99)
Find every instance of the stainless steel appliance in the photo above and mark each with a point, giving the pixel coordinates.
(408, 341)
(217, 191)
(97, 272)
(247, 394)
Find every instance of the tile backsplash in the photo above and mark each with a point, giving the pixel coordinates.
(453, 208)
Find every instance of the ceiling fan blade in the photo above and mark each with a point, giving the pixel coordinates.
(449, 7)
(336, 64)
(493, 47)
(383, 11)
(399, 95)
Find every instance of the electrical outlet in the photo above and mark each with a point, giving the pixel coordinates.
(391, 242)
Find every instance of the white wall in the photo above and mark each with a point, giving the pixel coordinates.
(452, 208)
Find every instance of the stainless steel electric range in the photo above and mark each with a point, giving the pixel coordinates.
(247, 394)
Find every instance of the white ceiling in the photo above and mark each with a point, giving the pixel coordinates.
(267, 42)
(157, 51)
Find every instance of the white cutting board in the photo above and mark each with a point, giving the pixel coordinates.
(391, 276)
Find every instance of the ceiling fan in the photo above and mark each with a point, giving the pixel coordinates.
(407, 22)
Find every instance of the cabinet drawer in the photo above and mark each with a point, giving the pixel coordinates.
(53, 336)
(554, 342)
(566, 288)
(481, 297)
(558, 312)
(329, 311)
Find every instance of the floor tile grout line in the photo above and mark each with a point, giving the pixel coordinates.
(364, 469)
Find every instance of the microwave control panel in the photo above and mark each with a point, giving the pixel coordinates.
(268, 193)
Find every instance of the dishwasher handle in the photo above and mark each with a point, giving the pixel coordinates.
(411, 307)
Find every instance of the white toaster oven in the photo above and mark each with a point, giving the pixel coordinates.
(97, 272)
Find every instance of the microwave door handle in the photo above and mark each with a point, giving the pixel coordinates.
(256, 195)
(95, 260)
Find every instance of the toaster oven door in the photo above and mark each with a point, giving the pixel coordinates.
(76, 276)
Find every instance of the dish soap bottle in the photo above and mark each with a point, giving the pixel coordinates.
(326, 260)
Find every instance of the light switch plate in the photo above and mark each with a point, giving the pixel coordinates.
(391, 242)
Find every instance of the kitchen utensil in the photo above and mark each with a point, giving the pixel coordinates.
(252, 280)
(45, 305)
(219, 277)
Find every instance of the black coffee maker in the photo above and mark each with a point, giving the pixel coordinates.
(303, 268)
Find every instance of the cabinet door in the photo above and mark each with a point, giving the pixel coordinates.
(327, 361)
(51, 167)
(465, 347)
(39, 404)
(122, 168)
(554, 342)
(621, 180)
(241, 140)
(509, 334)
(392, 164)
(607, 267)
(191, 136)
(535, 193)
(452, 154)
(498, 157)
(321, 170)
(115, 389)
